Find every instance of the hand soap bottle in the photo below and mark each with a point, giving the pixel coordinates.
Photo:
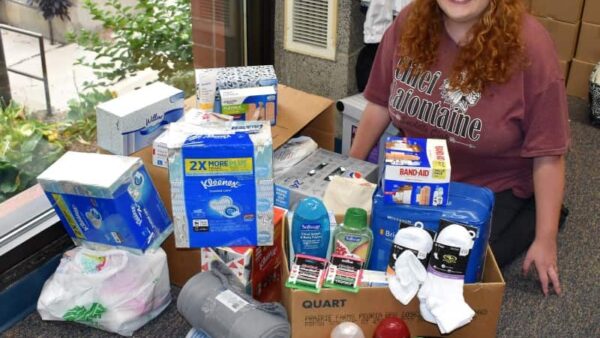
(310, 228)
(353, 237)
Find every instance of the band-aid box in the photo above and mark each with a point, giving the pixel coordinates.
(417, 171)
(250, 104)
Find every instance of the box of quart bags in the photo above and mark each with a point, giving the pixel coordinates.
(417, 171)
(316, 314)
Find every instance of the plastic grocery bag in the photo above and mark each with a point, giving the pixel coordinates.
(113, 290)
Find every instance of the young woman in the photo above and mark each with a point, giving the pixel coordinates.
(483, 75)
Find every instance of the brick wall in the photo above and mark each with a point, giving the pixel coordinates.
(208, 33)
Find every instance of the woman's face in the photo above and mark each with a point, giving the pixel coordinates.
(463, 11)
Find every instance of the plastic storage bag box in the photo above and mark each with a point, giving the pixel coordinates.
(106, 199)
(112, 290)
(467, 205)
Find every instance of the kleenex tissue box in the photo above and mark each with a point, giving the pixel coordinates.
(106, 199)
(131, 122)
(417, 171)
(222, 185)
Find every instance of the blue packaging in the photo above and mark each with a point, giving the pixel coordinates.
(222, 186)
(467, 205)
(106, 199)
(310, 228)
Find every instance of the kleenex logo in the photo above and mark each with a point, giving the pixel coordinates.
(152, 119)
(211, 183)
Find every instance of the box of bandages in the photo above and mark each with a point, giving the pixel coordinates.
(106, 200)
(210, 82)
(258, 268)
(417, 171)
(222, 186)
(315, 315)
(311, 176)
(250, 104)
(131, 122)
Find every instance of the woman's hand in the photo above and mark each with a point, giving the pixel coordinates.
(543, 255)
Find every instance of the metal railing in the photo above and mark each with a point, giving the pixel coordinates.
(44, 77)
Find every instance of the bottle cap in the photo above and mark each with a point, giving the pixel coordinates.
(355, 218)
(310, 209)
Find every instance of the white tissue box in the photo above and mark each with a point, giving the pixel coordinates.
(131, 122)
(106, 199)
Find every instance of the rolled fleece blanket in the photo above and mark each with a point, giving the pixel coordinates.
(213, 301)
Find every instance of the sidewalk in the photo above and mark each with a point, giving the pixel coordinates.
(65, 80)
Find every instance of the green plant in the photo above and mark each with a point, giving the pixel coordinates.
(80, 126)
(54, 8)
(152, 34)
(27, 147)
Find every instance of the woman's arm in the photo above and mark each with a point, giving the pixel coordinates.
(549, 183)
(374, 120)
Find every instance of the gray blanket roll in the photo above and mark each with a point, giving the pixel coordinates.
(213, 301)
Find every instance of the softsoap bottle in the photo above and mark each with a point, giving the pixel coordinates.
(310, 228)
(354, 237)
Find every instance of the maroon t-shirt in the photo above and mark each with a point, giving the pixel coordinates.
(492, 136)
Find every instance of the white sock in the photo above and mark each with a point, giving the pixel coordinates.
(423, 293)
(441, 293)
(410, 274)
(409, 271)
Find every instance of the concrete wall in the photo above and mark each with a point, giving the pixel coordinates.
(30, 18)
(333, 79)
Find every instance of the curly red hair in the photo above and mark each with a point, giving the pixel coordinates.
(492, 54)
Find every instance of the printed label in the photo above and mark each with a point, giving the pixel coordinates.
(231, 300)
(212, 166)
(448, 260)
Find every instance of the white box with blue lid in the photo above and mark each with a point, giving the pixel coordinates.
(106, 200)
(131, 122)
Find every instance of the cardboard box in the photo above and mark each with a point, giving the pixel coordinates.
(258, 267)
(588, 45)
(591, 12)
(562, 10)
(579, 78)
(564, 67)
(417, 171)
(563, 34)
(352, 108)
(310, 177)
(107, 200)
(131, 122)
(315, 315)
(299, 113)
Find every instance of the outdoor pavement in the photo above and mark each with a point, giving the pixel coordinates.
(65, 79)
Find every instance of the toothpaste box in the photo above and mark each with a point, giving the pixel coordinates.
(239, 77)
(258, 268)
(131, 122)
(417, 171)
(107, 200)
(250, 104)
(222, 186)
(186, 125)
(311, 176)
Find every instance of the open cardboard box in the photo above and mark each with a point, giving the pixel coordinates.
(298, 113)
(315, 315)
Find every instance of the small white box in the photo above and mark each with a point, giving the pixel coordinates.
(250, 104)
(131, 122)
(352, 108)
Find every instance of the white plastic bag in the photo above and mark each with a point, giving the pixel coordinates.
(113, 290)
